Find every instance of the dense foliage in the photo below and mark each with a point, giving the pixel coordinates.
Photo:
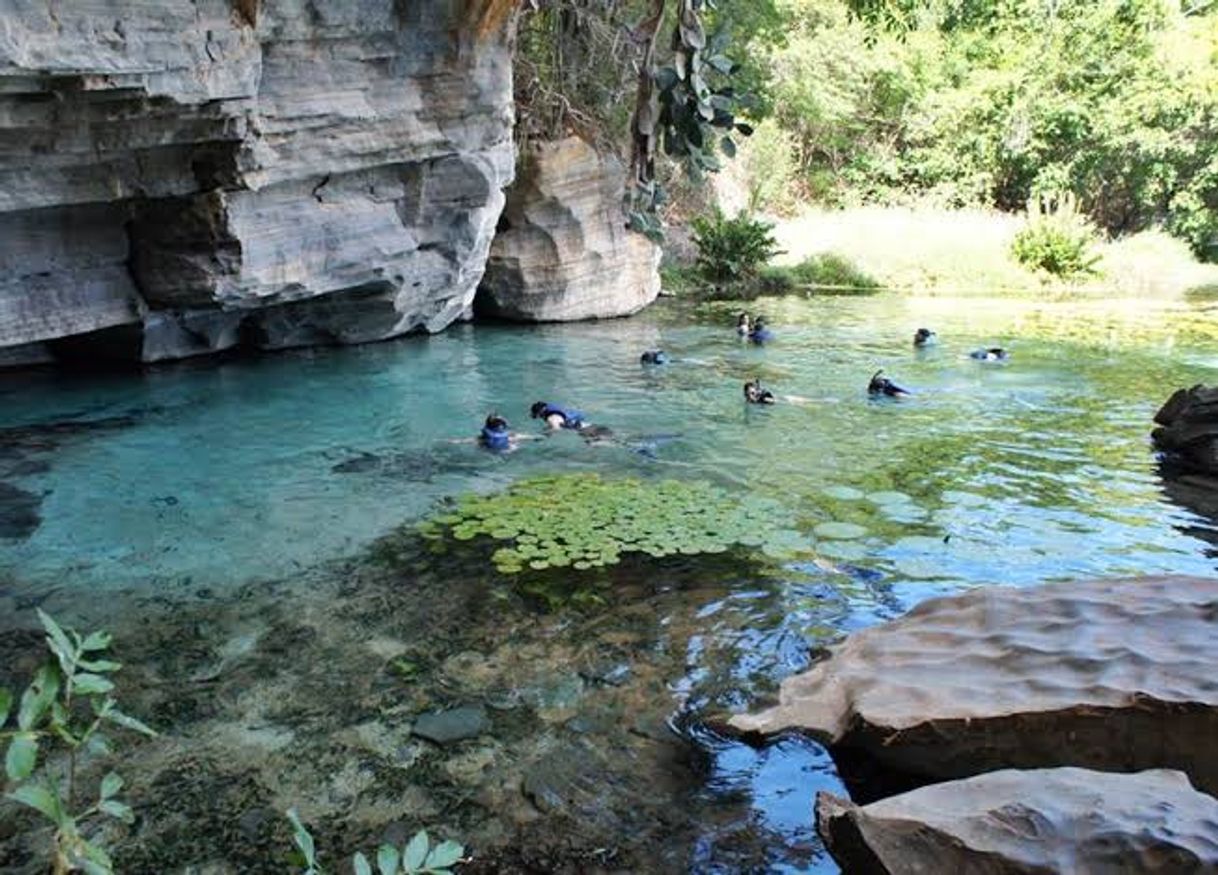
(993, 102)
(731, 249)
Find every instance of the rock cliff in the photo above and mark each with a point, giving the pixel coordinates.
(563, 252)
(183, 177)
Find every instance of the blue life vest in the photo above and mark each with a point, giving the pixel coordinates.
(763, 335)
(570, 418)
(496, 438)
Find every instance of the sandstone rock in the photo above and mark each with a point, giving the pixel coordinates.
(1029, 823)
(563, 252)
(269, 173)
(1189, 428)
(1111, 674)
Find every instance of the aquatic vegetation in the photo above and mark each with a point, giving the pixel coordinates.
(50, 709)
(582, 521)
(417, 857)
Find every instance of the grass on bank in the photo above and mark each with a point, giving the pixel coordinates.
(944, 253)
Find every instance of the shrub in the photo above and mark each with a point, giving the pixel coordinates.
(1057, 240)
(732, 250)
(826, 273)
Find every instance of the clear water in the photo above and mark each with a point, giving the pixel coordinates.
(1033, 470)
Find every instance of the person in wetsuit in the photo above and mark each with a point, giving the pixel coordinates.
(755, 394)
(925, 337)
(881, 386)
(654, 357)
(761, 332)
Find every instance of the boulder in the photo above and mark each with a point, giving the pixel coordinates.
(1116, 675)
(1188, 428)
(268, 173)
(1029, 823)
(563, 251)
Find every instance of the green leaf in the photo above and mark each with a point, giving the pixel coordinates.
(387, 859)
(415, 852)
(302, 837)
(99, 665)
(21, 757)
(445, 855)
(59, 642)
(96, 641)
(38, 696)
(117, 810)
(116, 716)
(91, 684)
(41, 799)
(728, 146)
(362, 866)
(6, 704)
(110, 785)
(95, 859)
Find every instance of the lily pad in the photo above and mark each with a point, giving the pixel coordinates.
(844, 493)
(886, 498)
(840, 531)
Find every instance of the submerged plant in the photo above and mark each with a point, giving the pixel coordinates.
(418, 857)
(67, 702)
(582, 521)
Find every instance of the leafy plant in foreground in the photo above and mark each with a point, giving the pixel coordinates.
(68, 701)
(418, 857)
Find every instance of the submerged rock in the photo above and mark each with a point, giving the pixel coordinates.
(192, 175)
(1029, 823)
(456, 724)
(1110, 674)
(19, 515)
(1189, 428)
(563, 251)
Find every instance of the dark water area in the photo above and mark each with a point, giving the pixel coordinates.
(223, 520)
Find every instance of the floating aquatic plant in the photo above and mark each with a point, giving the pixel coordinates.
(582, 521)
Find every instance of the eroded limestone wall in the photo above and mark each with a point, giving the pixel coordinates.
(182, 176)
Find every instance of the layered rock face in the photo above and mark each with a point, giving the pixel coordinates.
(563, 252)
(1030, 823)
(1112, 674)
(182, 177)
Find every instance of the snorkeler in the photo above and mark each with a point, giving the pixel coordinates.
(654, 357)
(556, 417)
(755, 394)
(881, 385)
(992, 354)
(742, 325)
(760, 333)
(925, 337)
(496, 434)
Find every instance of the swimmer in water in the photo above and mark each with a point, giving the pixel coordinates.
(654, 357)
(761, 332)
(992, 354)
(557, 418)
(882, 386)
(496, 435)
(924, 337)
(755, 394)
(742, 325)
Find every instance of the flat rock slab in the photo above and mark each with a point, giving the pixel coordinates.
(1029, 823)
(456, 724)
(1116, 675)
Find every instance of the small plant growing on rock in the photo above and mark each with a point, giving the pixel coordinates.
(418, 857)
(67, 702)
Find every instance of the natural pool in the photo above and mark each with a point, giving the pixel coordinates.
(218, 517)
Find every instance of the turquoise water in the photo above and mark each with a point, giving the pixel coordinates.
(210, 477)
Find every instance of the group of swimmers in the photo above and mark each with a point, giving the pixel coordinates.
(497, 435)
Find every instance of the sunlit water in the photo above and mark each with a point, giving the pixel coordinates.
(1038, 469)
